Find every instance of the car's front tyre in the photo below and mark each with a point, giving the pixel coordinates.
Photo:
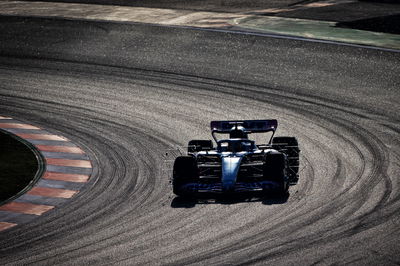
(289, 146)
(185, 171)
(274, 170)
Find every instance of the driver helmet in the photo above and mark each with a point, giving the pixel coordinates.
(238, 133)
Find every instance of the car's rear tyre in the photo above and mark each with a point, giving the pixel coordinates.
(289, 146)
(185, 171)
(199, 145)
(275, 170)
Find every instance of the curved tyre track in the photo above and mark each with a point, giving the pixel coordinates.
(130, 111)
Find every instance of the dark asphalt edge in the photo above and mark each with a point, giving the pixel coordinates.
(39, 173)
(230, 29)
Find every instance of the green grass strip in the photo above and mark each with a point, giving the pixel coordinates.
(323, 30)
(20, 166)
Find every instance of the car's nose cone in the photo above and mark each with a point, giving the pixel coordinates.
(230, 169)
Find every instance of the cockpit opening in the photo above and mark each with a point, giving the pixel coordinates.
(236, 145)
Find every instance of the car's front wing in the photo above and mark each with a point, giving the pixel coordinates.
(239, 187)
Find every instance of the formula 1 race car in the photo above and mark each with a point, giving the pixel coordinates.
(237, 164)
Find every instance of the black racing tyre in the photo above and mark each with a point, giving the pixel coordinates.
(290, 147)
(275, 170)
(185, 171)
(199, 145)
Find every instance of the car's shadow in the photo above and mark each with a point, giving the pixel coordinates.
(187, 202)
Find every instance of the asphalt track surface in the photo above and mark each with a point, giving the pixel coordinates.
(129, 93)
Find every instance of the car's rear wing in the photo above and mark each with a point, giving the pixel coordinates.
(249, 126)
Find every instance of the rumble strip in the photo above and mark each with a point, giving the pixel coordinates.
(66, 169)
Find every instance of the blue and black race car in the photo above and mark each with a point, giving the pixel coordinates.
(237, 163)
